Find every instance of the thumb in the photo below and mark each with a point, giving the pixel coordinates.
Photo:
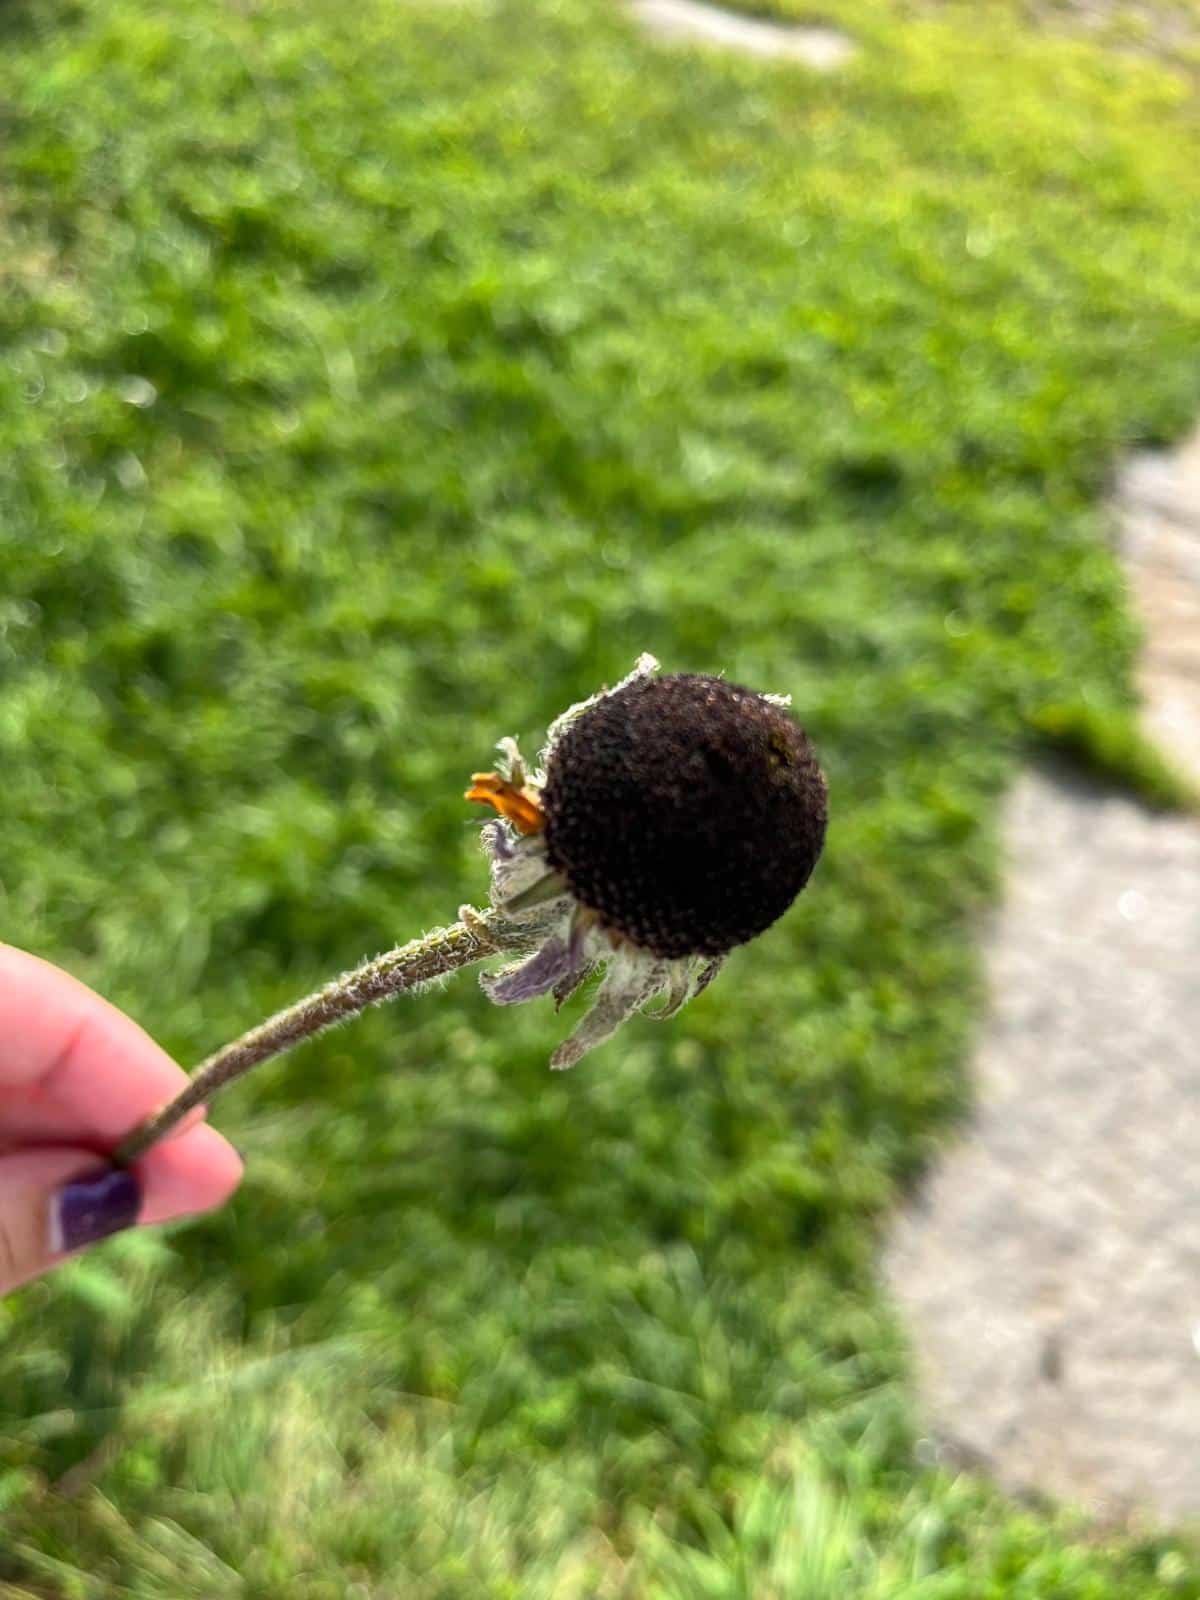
(56, 1200)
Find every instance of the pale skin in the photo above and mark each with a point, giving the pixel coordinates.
(76, 1075)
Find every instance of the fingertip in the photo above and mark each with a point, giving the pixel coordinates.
(194, 1117)
(197, 1171)
(224, 1165)
(227, 1167)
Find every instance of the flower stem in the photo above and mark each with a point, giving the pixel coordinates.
(407, 967)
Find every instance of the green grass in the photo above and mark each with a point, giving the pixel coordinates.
(486, 347)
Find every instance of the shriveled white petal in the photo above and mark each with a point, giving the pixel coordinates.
(518, 860)
(626, 987)
(550, 886)
(707, 969)
(499, 841)
(645, 667)
(511, 763)
(783, 701)
(588, 952)
(676, 995)
(528, 930)
(571, 984)
(686, 979)
(528, 979)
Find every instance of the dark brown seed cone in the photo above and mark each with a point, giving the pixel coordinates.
(687, 812)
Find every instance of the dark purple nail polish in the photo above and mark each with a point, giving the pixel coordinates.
(92, 1207)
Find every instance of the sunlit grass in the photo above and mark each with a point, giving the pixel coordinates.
(377, 380)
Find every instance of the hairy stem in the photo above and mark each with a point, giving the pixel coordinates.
(402, 969)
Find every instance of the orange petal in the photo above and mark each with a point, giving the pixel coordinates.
(514, 804)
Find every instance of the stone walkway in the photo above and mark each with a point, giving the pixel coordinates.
(1159, 508)
(1050, 1269)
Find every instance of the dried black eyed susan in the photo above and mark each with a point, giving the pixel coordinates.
(673, 819)
(670, 819)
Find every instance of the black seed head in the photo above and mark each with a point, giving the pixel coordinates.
(687, 812)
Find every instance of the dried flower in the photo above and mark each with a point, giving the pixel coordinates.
(669, 820)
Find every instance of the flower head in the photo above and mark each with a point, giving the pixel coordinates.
(669, 820)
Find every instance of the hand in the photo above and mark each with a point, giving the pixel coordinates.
(75, 1075)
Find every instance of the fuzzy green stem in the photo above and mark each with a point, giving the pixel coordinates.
(408, 967)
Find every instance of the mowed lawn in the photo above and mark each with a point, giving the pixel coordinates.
(375, 380)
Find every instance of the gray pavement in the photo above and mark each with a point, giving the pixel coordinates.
(1049, 1270)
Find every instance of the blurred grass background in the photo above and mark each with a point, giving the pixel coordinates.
(376, 380)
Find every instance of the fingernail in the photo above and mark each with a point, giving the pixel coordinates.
(92, 1207)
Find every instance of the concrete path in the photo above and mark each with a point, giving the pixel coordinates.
(1050, 1270)
(1159, 507)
